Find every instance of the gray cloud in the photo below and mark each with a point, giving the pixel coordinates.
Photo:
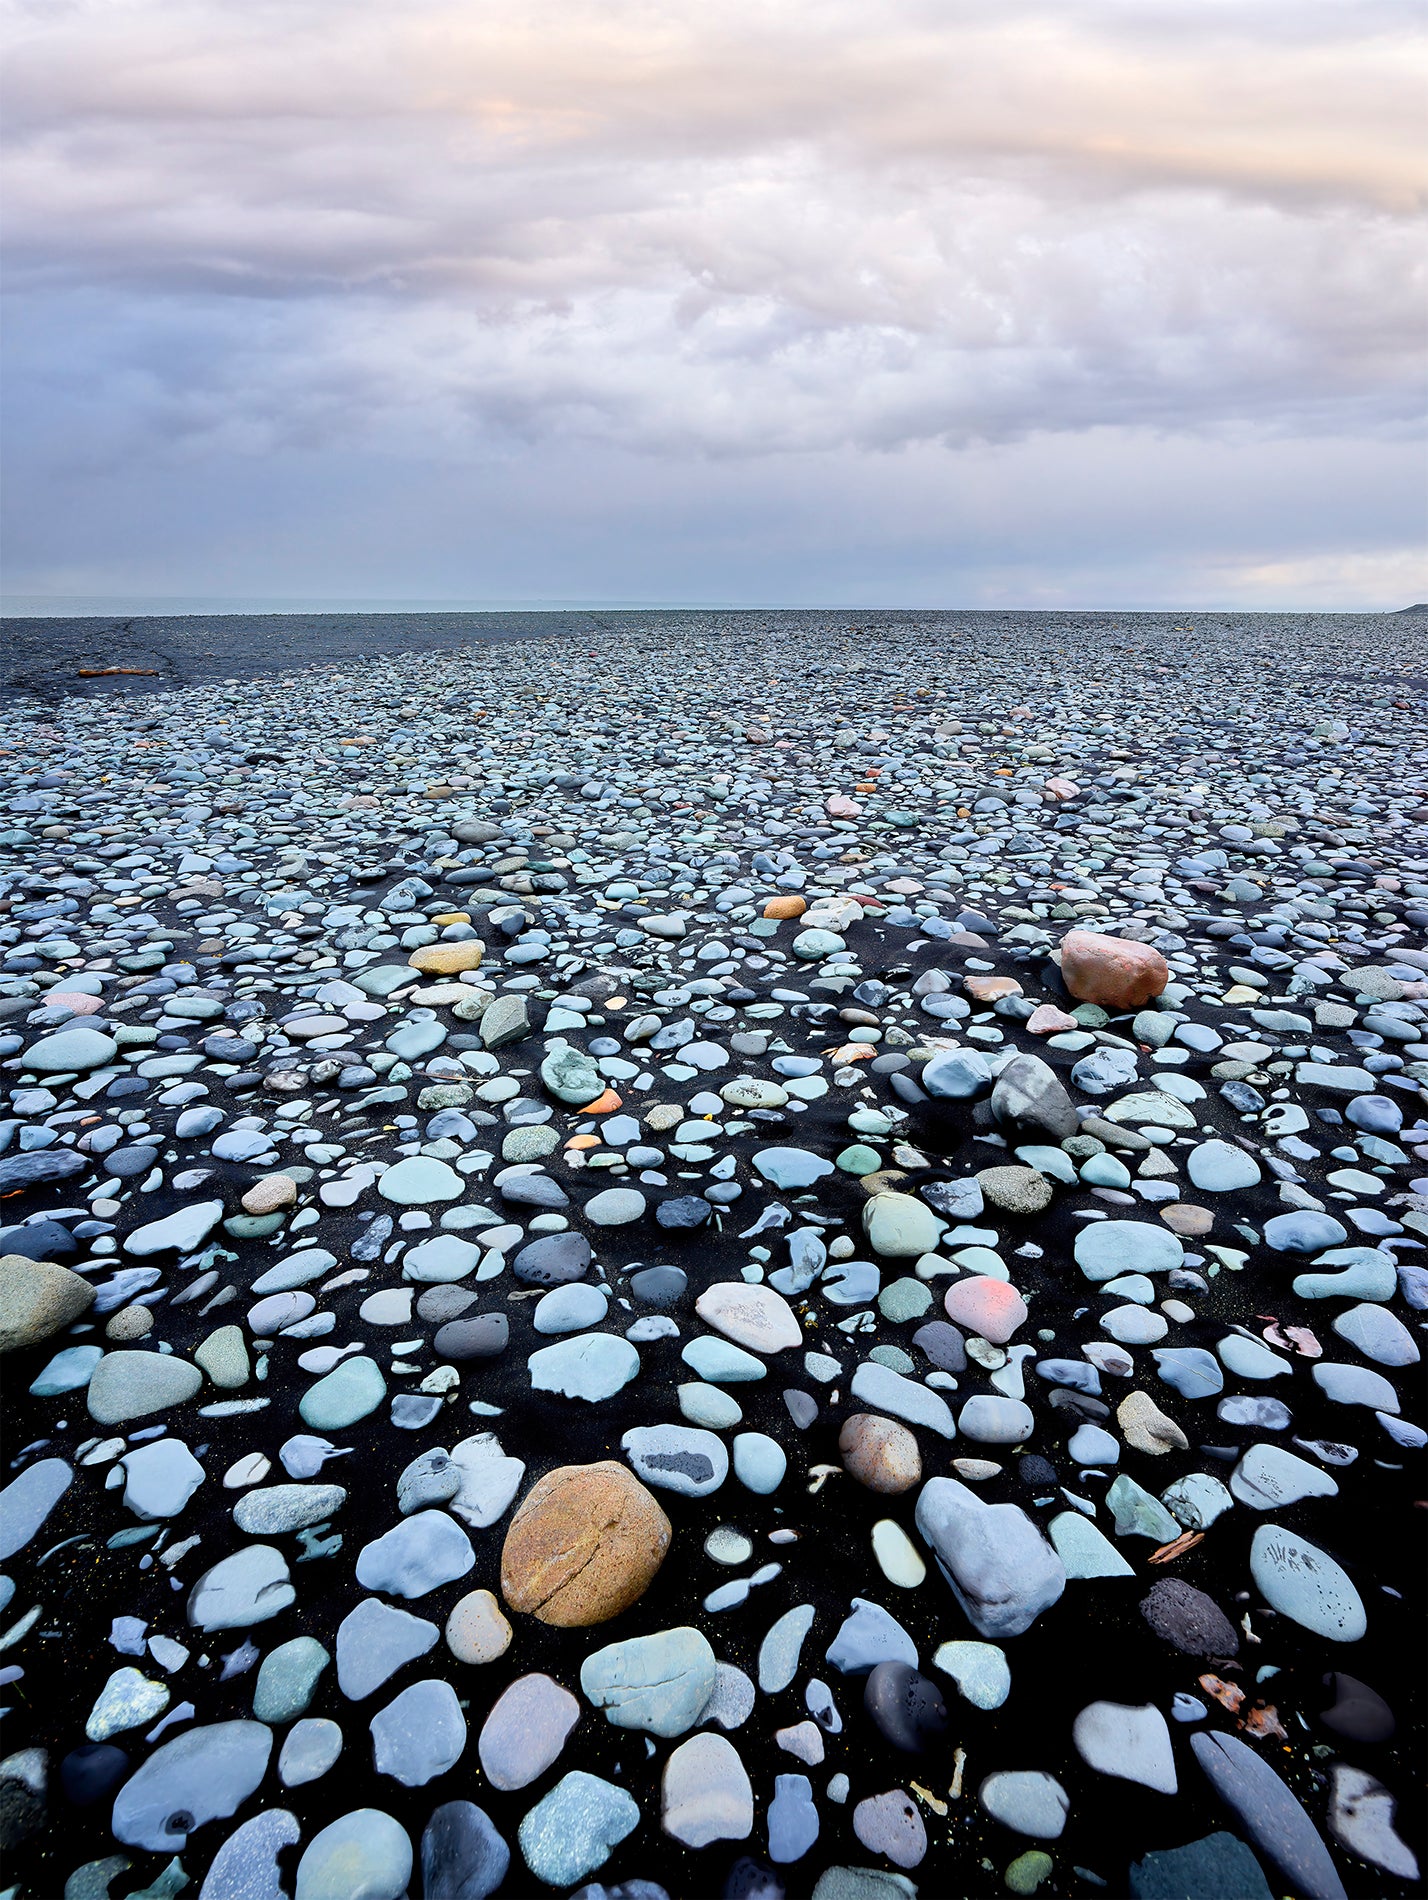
(477, 237)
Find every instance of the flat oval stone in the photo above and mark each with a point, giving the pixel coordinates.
(593, 1366)
(1304, 1583)
(312, 1747)
(525, 1731)
(129, 1385)
(352, 1391)
(485, 1336)
(1028, 1801)
(1270, 1814)
(752, 1316)
(27, 1501)
(419, 1180)
(365, 1855)
(677, 1458)
(202, 1775)
(1107, 1248)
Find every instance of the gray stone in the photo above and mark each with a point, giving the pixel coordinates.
(658, 1683)
(525, 1731)
(246, 1865)
(1001, 1569)
(571, 1832)
(1270, 1814)
(420, 1734)
(365, 1855)
(129, 1385)
(374, 1641)
(287, 1679)
(250, 1587)
(416, 1556)
(202, 1775)
(677, 1458)
(27, 1501)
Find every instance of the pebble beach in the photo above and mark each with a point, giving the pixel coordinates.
(740, 1255)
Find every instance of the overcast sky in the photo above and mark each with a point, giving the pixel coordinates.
(876, 302)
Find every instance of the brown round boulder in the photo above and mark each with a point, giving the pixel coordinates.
(879, 1453)
(584, 1545)
(1111, 971)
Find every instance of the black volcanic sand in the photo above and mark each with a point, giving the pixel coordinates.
(47, 656)
(1123, 742)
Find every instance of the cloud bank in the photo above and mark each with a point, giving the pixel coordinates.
(885, 301)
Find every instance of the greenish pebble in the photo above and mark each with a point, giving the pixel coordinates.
(904, 1300)
(252, 1226)
(895, 1359)
(1104, 1170)
(1027, 1871)
(287, 1679)
(1091, 1015)
(351, 1391)
(859, 1159)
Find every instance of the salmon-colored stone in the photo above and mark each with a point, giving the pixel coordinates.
(989, 1307)
(1111, 971)
(1063, 788)
(785, 906)
(605, 1104)
(1047, 1020)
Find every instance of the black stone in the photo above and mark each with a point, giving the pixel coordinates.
(906, 1707)
(1357, 1712)
(463, 1857)
(553, 1260)
(683, 1211)
(1180, 1614)
(481, 1338)
(659, 1286)
(1214, 1868)
(1035, 1470)
(41, 1240)
(92, 1772)
(943, 1344)
(752, 1880)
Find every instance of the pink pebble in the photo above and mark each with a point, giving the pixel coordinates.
(989, 1307)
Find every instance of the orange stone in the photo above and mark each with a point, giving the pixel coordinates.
(785, 906)
(605, 1104)
(447, 959)
(986, 989)
(1111, 971)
